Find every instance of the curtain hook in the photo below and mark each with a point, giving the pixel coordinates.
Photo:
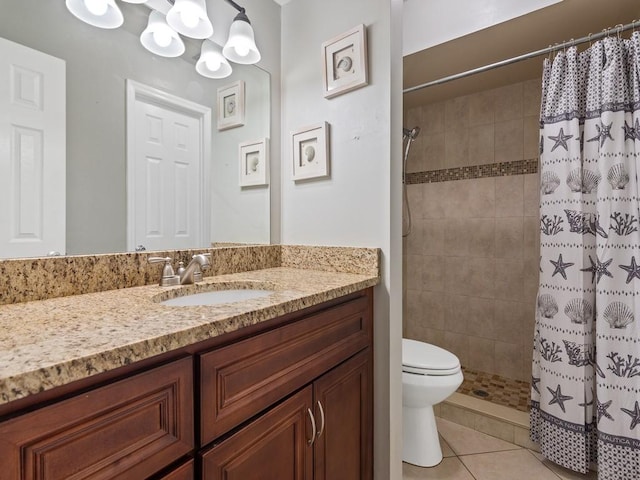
(589, 38)
(619, 28)
(634, 22)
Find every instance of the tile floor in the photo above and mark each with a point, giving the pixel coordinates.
(472, 455)
(499, 390)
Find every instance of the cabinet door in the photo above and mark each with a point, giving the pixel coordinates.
(183, 472)
(129, 429)
(273, 447)
(344, 443)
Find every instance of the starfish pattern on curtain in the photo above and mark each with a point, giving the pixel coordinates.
(585, 386)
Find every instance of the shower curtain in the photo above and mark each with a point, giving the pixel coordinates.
(585, 386)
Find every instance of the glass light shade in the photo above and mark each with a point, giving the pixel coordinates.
(99, 13)
(135, 1)
(241, 45)
(212, 63)
(189, 17)
(160, 38)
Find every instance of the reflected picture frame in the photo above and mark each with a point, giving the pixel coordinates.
(231, 105)
(254, 163)
(344, 60)
(310, 154)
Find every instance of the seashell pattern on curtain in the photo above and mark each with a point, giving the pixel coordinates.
(586, 367)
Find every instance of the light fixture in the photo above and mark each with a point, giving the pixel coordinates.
(189, 17)
(212, 63)
(241, 45)
(186, 17)
(99, 13)
(160, 38)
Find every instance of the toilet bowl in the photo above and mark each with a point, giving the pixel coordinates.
(429, 375)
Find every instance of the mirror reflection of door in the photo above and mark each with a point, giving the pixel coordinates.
(167, 169)
(32, 152)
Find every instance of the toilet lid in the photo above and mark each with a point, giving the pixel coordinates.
(424, 356)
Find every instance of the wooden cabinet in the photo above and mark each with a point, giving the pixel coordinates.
(288, 399)
(183, 472)
(322, 432)
(242, 379)
(129, 429)
(344, 407)
(275, 446)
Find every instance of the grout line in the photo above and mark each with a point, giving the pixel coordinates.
(467, 469)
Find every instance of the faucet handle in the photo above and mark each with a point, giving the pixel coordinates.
(168, 278)
(158, 259)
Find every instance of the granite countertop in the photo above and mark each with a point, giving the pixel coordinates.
(48, 343)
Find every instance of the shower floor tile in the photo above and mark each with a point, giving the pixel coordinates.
(496, 389)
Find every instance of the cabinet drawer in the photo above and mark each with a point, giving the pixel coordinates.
(242, 379)
(129, 429)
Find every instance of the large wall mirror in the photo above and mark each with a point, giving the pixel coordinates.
(98, 65)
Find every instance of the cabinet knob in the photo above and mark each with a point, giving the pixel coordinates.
(313, 427)
(321, 419)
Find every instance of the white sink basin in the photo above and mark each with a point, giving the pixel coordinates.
(216, 297)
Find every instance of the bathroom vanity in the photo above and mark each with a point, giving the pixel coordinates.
(280, 384)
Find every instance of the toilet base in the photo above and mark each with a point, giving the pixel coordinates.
(421, 445)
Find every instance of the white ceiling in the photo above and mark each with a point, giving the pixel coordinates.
(429, 23)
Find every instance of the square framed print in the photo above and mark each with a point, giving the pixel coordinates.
(345, 62)
(311, 152)
(254, 163)
(231, 105)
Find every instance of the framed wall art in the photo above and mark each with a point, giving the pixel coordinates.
(345, 62)
(231, 105)
(311, 152)
(254, 163)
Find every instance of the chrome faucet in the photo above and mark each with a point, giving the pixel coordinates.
(192, 273)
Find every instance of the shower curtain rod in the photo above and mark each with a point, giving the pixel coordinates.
(607, 31)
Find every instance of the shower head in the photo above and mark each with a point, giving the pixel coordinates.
(411, 133)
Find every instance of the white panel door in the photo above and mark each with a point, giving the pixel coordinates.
(168, 173)
(32, 152)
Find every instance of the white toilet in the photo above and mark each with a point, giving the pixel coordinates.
(429, 375)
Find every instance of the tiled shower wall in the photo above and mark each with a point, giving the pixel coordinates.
(472, 258)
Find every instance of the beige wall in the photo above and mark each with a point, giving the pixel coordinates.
(471, 261)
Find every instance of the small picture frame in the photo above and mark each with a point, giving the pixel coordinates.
(345, 62)
(254, 163)
(231, 105)
(311, 152)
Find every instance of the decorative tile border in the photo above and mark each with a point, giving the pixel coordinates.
(501, 169)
